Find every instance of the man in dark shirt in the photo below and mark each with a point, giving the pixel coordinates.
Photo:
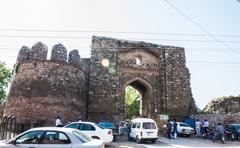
(218, 132)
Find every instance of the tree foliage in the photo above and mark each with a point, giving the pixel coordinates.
(5, 78)
(132, 102)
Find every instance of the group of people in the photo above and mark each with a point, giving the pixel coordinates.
(216, 133)
(199, 126)
(172, 129)
(201, 129)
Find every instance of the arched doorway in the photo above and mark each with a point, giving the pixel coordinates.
(142, 100)
(133, 102)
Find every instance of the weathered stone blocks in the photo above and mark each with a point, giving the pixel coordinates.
(74, 57)
(24, 54)
(59, 53)
(83, 88)
(39, 51)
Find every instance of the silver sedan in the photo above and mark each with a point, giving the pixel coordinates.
(52, 137)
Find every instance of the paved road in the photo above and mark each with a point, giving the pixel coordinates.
(181, 142)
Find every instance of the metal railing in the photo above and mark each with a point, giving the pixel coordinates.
(9, 127)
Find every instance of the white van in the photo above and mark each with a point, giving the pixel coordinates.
(142, 129)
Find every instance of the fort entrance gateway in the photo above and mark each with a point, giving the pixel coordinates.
(93, 89)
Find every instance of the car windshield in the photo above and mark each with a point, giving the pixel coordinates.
(107, 125)
(81, 136)
(237, 126)
(98, 126)
(149, 125)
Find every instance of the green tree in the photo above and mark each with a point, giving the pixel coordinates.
(5, 78)
(132, 102)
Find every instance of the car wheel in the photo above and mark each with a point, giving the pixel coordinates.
(129, 138)
(138, 140)
(154, 141)
(114, 138)
(238, 138)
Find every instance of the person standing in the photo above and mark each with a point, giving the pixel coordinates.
(206, 126)
(58, 122)
(198, 127)
(174, 129)
(219, 132)
(169, 129)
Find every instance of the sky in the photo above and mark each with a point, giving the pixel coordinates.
(207, 29)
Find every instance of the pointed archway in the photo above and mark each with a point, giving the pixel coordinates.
(145, 90)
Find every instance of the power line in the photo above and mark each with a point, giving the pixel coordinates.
(88, 38)
(79, 48)
(34, 36)
(186, 48)
(193, 62)
(200, 27)
(210, 62)
(119, 32)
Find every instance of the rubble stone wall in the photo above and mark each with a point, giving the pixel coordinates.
(161, 77)
(44, 89)
(72, 87)
(214, 119)
(229, 104)
(179, 98)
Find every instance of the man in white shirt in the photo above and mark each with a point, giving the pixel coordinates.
(198, 127)
(58, 122)
(206, 126)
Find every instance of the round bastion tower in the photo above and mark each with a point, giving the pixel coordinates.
(43, 89)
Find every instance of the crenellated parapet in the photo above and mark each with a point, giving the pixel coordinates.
(39, 52)
(43, 89)
(93, 89)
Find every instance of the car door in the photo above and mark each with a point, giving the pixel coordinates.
(89, 130)
(30, 139)
(55, 139)
(133, 130)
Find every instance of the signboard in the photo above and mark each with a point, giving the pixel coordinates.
(163, 117)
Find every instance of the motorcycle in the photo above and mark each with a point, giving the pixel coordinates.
(230, 135)
(221, 138)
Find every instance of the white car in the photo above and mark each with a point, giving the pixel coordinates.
(143, 129)
(184, 129)
(93, 130)
(52, 137)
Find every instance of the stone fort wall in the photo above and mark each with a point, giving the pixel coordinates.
(162, 78)
(72, 88)
(43, 89)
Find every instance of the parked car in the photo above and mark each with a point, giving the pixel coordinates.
(112, 126)
(93, 130)
(143, 129)
(234, 129)
(52, 137)
(123, 128)
(184, 129)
